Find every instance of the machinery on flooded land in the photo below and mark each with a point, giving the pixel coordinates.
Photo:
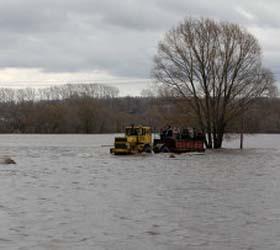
(137, 139)
(179, 141)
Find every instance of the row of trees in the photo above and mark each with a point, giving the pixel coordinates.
(58, 92)
(78, 114)
(86, 114)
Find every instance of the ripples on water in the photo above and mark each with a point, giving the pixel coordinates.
(68, 192)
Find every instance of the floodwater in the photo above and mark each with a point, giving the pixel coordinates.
(68, 192)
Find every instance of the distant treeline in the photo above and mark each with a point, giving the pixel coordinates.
(94, 108)
(58, 92)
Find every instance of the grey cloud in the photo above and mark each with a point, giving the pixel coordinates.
(119, 37)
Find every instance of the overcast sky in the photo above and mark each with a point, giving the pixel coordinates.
(43, 42)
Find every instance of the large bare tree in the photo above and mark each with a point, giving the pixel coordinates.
(217, 67)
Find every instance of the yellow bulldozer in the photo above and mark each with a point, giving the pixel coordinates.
(137, 139)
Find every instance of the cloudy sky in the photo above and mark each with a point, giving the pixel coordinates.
(44, 42)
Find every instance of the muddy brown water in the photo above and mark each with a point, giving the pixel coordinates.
(68, 192)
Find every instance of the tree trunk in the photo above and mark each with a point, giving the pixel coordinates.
(219, 136)
(209, 141)
(241, 140)
(219, 140)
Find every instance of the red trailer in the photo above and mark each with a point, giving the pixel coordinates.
(179, 142)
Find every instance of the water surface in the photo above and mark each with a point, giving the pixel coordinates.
(68, 192)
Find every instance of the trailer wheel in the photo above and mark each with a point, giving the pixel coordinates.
(156, 149)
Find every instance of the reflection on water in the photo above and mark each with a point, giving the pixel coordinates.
(68, 192)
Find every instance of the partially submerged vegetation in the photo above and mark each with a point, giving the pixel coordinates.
(217, 68)
(110, 114)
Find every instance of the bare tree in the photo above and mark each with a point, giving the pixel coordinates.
(7, 95)
(217, 68)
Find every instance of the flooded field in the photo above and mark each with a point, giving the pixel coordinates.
(68, 192)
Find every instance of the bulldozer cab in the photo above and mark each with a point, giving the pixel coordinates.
(138, 134)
